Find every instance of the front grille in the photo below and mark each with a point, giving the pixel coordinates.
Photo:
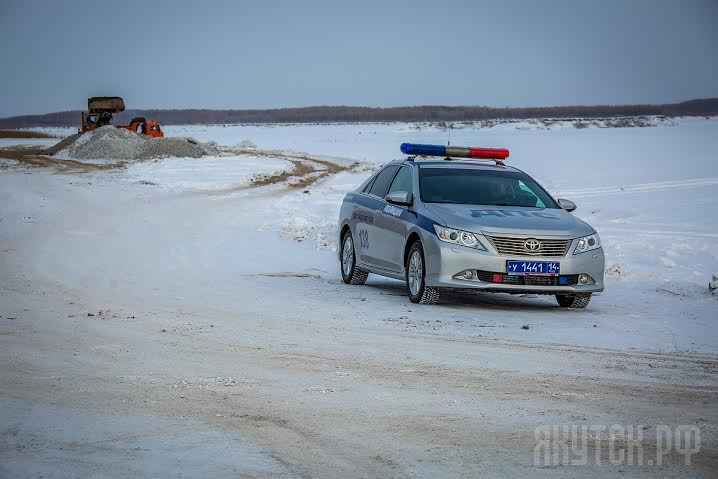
(515, 246)
(488, 277)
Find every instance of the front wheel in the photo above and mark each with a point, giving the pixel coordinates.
(416, 286)
(350, 273)
(573, 301)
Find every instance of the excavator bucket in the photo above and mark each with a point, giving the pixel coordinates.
(105, 104)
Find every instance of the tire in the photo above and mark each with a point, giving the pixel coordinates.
(347, 262)
(573, 301)
(415, 274)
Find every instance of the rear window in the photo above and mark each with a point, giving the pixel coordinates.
(473, 186)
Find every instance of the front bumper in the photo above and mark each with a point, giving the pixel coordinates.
(445, 260)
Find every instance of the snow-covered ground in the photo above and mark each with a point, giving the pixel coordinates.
(650, 192)
(223, 303)
(209, 173)
(28, 141)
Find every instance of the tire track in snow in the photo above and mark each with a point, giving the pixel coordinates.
(672, 234)
(642, 187)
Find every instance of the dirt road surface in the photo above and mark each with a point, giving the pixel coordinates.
(151, 333)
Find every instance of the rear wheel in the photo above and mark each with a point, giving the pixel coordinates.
(416, 286)
(573, 301)
(350, 273)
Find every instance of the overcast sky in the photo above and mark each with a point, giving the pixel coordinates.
(267, 53)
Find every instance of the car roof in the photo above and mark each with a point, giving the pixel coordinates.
(458, 164)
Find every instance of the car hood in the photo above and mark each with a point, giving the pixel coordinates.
(511, 220)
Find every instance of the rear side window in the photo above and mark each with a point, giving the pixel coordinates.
(368, 186)
(383, 180)
(402, 181)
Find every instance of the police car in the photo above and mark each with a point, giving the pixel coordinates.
(445, 217)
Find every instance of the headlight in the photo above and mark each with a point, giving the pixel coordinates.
(463, 238)
(587, 243)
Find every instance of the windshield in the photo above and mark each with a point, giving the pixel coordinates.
(473, 186)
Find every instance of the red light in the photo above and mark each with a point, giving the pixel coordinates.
(489, 153)
(498, 278)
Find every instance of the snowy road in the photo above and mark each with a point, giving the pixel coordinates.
(151, 324)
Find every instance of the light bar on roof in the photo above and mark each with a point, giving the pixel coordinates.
(455, 151)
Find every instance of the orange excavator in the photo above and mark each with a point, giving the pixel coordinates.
(100, 110)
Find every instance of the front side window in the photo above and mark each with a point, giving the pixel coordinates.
(472, 186)
(383, 180)
(402, 181)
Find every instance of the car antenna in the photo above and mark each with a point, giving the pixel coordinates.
(448, 142)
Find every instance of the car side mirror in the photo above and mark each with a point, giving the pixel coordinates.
(567, 205)
(399, 198)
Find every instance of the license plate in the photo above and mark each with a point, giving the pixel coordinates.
(533, 268)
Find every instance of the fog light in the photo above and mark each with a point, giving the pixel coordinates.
(466, 274)
(583, 278)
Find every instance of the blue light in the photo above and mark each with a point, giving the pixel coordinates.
(427, 150)
(563, 280)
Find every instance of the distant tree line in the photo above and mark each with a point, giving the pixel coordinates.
(355, 114)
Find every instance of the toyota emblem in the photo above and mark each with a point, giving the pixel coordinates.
(532, 245)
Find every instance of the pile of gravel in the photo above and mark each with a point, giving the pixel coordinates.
(57, 147)
(180, 147)
(111, 143)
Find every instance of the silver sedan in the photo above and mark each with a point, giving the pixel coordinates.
(467, 225)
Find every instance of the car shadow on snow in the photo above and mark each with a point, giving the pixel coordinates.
(471, 298)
